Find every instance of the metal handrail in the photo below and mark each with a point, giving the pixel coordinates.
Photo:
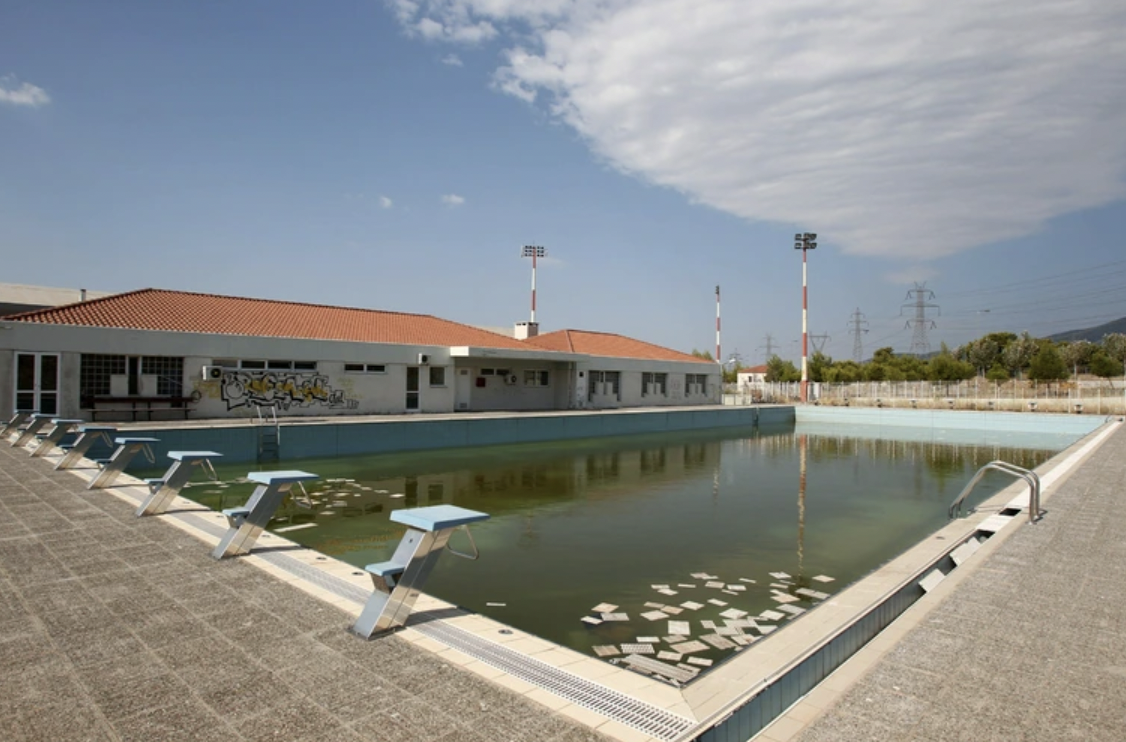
(1027, 475)
(471, 557)
(274, 419)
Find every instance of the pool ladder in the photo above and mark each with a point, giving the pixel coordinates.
(1031, 477)
(269, 435)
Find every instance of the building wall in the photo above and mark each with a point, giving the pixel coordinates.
(632, 392)
(492, 391)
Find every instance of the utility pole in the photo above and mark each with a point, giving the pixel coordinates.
(920, 345)
(718, 356)
(859, 327)
(805, 242)
(769, 346)
(533, 252)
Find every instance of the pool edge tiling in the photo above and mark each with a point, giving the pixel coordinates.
(659, 711)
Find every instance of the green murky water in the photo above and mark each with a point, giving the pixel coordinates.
(617, 520)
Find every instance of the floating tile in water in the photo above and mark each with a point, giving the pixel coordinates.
(679, 628)
(701, 575)
(604, 608)
(729, 592)
(716, 601)
(780, 575)
(744, 639)
(766, 629)
(741, 623)
(672, 610)
(784, 598)
(659, 587)
(708, 624)
(654, 615)
(733, 613)
(747, 579)
(779, 585)
(676, 638)
(398, 494)
(727, 631)
(685, 584)
(692, 646)
(692, 605)
(667, 591)
(615, 616)
(717, 641)
(606, 650)
(638, 649)
(651, 604)
(667, 655)
(381, 492)
(824, 578)
(791, 609)
(772, 615)
(714, 584)
(497, 605)
(591, 620)
(737, 588)
(648, 639)
(701, 661)
(326, 512)
(297, 527)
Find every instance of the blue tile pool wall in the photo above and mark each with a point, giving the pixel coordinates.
(1022, 422)
(316, 440)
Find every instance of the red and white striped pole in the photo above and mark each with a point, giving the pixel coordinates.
(533, 252)
(804, 242)
(718, 357)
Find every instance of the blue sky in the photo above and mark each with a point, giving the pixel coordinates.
(397, 155)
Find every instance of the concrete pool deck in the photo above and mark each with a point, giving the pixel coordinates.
(76, 606)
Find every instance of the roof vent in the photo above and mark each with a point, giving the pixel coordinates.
(525, 330)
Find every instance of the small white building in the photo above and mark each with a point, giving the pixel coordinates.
(157, 354)
(749, 378)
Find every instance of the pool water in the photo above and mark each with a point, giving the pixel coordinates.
(746, 523)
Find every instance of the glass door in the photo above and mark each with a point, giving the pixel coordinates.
(37, 383)
(412, 388)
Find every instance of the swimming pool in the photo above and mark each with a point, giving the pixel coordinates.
(733, 532)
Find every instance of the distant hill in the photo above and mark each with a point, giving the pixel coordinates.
(1094, 334)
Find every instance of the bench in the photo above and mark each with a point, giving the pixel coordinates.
(135, 406)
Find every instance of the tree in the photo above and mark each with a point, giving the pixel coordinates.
(843, 372)
(1047, 365)
(1114, 345)
(1018, 354)
(883, 356)
(982, 353)
(818, 365)
(945, 367)
(1077, 353)
(1103, 365)
(779, 370)
(997, 373)
(704, 354)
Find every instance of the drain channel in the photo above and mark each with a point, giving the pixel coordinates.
(579, 691)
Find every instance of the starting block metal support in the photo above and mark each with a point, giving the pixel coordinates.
(49, 441)
(164, 490)
(247, 523)
(34, 425)
(14, 424)
(399, 581)
(88, 435)
(127, 448)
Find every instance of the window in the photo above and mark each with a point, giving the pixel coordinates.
(437, 376)
(224, 362)
(606, 383)
(280, 365)
(537, 378)
(95, 371)
(654, 384)
(365, 368)
(488, 372)
(169, 372)
(695, 384)
(252, 364)
(304, 365)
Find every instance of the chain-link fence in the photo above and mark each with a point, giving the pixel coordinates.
(1094, 396)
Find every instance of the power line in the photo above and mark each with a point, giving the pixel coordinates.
(819, 342)
(769, 346)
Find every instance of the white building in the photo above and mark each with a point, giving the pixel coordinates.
(156, 354)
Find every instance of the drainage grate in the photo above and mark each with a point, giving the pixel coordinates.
(579, 691)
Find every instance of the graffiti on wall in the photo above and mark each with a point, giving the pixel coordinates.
(283, 389)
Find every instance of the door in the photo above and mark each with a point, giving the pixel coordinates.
(37, 383)
(412, 388)
(462, 386)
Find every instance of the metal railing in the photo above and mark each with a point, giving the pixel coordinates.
(1031, 477)
(273, 419)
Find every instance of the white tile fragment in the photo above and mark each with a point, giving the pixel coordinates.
(672, 610)
(605, 650)
(638, 649)
(714, 584)
(733, 613)
(772, 615)
(654, 615)
(667, 591)
(780, 575)
(667, 655)
(701, 661)
(930, 582)
(604, 608)
(824, 578)
(615, 616)
(591, 620)
(692, 605)
(648, 639)
(679, 628)
(716, 601)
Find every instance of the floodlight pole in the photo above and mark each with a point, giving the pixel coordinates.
(805, 242)
(533, 252)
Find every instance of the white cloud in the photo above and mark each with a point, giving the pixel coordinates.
(452, 199)
(900, 128)
(452, 60)
(25, 94)
(909, 275)
(385, 203)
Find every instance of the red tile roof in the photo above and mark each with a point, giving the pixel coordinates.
(179, 311)
(608, 344)
(754, 370)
